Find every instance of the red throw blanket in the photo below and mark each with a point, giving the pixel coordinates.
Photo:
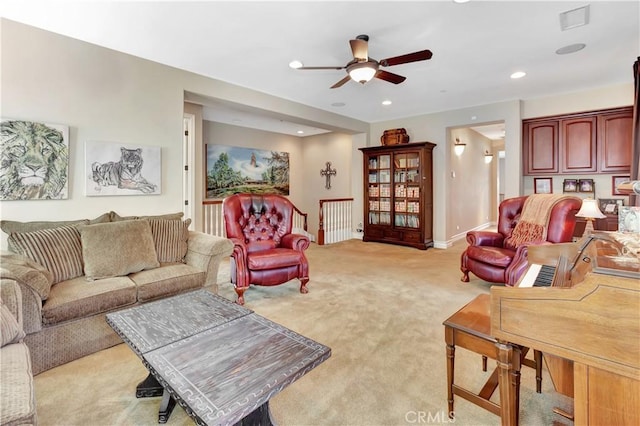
(534, 219)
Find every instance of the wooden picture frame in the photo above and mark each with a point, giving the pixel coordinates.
(542, 185)
(615, 181)
(585, 185)
(610, 205)
(570, 185)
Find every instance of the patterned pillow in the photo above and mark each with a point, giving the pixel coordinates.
(59, 250)
(170, 239)
(10, 330)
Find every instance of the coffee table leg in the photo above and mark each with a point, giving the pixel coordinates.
(149, 387)
(166, 407)
(260, 416)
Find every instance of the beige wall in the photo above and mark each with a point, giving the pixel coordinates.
(105, 95)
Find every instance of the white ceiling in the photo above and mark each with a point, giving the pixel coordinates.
(475, 45)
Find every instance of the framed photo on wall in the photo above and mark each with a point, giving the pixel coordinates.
(585, 185)
(570, 185)
(543, 185)
(617, 180)
(610, 205)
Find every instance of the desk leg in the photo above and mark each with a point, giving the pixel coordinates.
(261, 416)
(166, 407)
(149, 387)
(509, 382)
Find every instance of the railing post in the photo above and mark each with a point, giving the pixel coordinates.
(321, 224)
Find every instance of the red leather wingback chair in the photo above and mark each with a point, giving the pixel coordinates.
(489, 255)
(265, 251)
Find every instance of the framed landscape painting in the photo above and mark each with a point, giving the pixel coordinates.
(35, 160)
(233, 169)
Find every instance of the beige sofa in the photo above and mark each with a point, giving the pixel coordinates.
(17, 396)
(71, 274)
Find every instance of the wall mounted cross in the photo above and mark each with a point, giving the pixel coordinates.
(327, 173)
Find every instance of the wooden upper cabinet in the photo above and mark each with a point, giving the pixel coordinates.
(540, 147)
(615, 141)
(578, 147)
(589, 142)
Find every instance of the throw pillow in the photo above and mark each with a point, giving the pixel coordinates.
(117, 249)
(11, 226)
(57, 249)
(10, 330)
(170, 239)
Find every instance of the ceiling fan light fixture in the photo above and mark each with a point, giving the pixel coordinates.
(362, 72)
(295, 64)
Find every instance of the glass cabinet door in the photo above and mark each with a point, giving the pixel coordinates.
(406, 190)
(379, 187)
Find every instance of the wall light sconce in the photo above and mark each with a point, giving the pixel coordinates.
(458, 147)
(487, 157)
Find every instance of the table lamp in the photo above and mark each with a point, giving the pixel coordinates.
(590, 211)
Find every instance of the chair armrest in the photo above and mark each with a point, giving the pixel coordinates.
(205, 252)
(485, 238)
(519, 264)
(296, 242)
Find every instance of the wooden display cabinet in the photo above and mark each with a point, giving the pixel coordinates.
(398, 194)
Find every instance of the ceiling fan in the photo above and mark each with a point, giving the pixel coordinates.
(362, 68)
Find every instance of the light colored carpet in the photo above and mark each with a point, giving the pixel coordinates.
(380, 309)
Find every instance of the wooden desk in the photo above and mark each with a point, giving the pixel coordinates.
(221, 362)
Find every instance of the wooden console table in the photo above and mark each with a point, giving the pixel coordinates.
(220, 361)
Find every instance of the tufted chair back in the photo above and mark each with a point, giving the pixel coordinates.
(261, 220)
(265, 251)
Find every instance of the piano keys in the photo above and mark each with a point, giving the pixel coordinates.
(588, 330)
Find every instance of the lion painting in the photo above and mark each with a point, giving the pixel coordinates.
(34, 161)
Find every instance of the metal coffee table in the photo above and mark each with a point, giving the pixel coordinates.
(220, 361)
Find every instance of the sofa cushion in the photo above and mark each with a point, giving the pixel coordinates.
(170, 238)
(115, 217)
(77, 298)
(117, 248)
(167, 280)
(10, 330)
(59, 250)
(11, 226)
(17, 406)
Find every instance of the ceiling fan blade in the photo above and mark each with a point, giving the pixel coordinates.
(341, 82)
(422, 55)
(320, 68)
(390, 77)
(359, 49)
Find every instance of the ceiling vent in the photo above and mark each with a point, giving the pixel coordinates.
(574, 18)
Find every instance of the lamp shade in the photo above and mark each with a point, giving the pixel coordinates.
(362, 71)
(590, 209)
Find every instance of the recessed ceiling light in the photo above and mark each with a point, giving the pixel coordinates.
(460, 1)
(386, 102)
(572, 48)
(518, 74)
(300, 132)
(338, 104)
(295, 64)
